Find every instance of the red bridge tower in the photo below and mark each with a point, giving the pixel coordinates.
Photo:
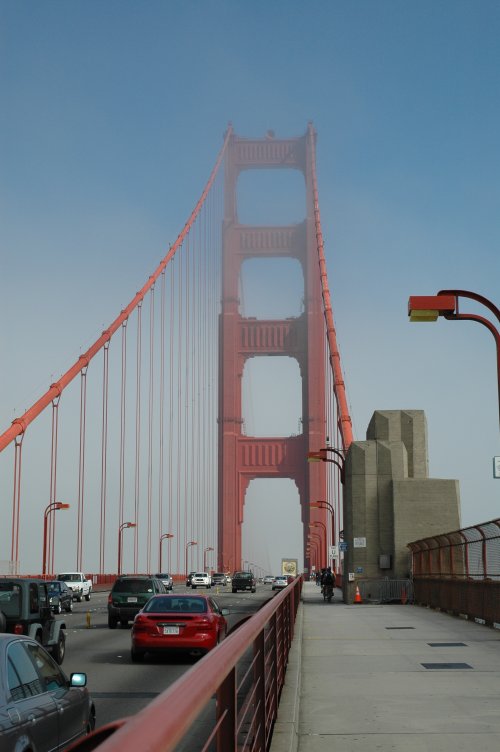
(243, 458)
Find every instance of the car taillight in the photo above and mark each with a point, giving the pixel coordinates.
(18, 629)
(202, 622)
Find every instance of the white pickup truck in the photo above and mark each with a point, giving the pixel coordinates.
(78, 583)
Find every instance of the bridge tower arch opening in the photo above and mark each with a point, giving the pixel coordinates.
(245, 458)
(272, 528)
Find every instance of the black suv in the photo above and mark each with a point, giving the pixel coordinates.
(25, 610)
(243, 581)
(128, 595)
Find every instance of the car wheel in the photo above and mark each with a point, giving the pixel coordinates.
(234, 590)
(194, 587)
(79, 598)
(60, 649)
(87, 597)
(69, 608)
(137, 656)
(3, 622)
(112, 622)
(91, 720)
(253, 590)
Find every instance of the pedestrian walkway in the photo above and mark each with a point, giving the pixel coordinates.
(388, 677)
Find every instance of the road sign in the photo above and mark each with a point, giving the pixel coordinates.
(359, 543)
(343, 546)
(333, 551)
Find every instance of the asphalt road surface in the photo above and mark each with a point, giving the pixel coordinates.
(119, 687)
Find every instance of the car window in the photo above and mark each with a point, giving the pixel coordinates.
(10, 598)
(133, 586)
(23, 678)
(52, 675)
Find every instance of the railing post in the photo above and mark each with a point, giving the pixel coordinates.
(226, 705)
(259, 674)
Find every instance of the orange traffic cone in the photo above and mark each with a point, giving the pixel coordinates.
(357, 597)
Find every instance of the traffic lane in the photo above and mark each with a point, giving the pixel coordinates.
(119, 687)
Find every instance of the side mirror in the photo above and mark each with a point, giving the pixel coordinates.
(78, 680)
(225, 611)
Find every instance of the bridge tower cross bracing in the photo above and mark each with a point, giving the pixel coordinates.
(244, 458)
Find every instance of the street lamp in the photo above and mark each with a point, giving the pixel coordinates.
(445, 303)
(52, 507)
(208, 548)
(163, 537)
(122, 527)
(188, 544)
(320, 456)
(326, 505)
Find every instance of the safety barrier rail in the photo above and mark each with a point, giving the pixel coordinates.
(246, 673)
(460, 571)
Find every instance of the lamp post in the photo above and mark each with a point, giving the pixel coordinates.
(163, 537)
(52, 507)
(446, 304)
(188, 544)
(122, 527)
(321, 456)
(326, 505)
(316, 537)
(208, 548)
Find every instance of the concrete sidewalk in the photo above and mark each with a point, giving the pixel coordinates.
(388, 677)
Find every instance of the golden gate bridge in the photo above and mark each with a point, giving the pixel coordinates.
(145, 430)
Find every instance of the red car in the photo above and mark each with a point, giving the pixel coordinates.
(189, 623)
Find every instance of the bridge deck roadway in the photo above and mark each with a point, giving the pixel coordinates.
(357, 681)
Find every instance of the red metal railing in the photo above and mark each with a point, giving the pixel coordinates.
(246, 673)
(460, 571)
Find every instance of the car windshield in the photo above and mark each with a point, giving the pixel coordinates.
(163, 576)
(243, 575)
(133, 586)
(200, 574)
(54, 587)
(69, 577)
(175, 604)
(10, 598)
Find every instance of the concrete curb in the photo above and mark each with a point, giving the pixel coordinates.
(286, 728)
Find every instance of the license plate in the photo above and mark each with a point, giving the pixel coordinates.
(131, 600)
(170, 630)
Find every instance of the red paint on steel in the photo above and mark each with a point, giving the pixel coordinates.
(345, 423)
(241, 458)
(19, 425)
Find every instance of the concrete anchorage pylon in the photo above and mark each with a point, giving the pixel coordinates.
(243, 458)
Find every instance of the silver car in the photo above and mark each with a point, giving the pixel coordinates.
(40, 707)
(166, 579)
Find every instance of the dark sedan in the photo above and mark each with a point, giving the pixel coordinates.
(60, 597)
(40, 708)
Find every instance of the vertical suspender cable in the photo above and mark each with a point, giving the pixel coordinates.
(137, 439)
(150, 426)
(81, 469)
(104, 456)
(123, 418)
(171, 419)
(53, 479)
(162, 416)
(16, 504)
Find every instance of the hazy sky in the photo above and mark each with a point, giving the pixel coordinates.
(111, 116)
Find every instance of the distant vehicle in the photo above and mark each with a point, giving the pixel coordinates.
(268, 579)
(60, 597)
(201, 579)
(174, 623)
(167, 580)
(79, 584)
(280, 582)
(128, 595)
(219, 578)
(40, 708)
(243, 581)
(188, 579)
